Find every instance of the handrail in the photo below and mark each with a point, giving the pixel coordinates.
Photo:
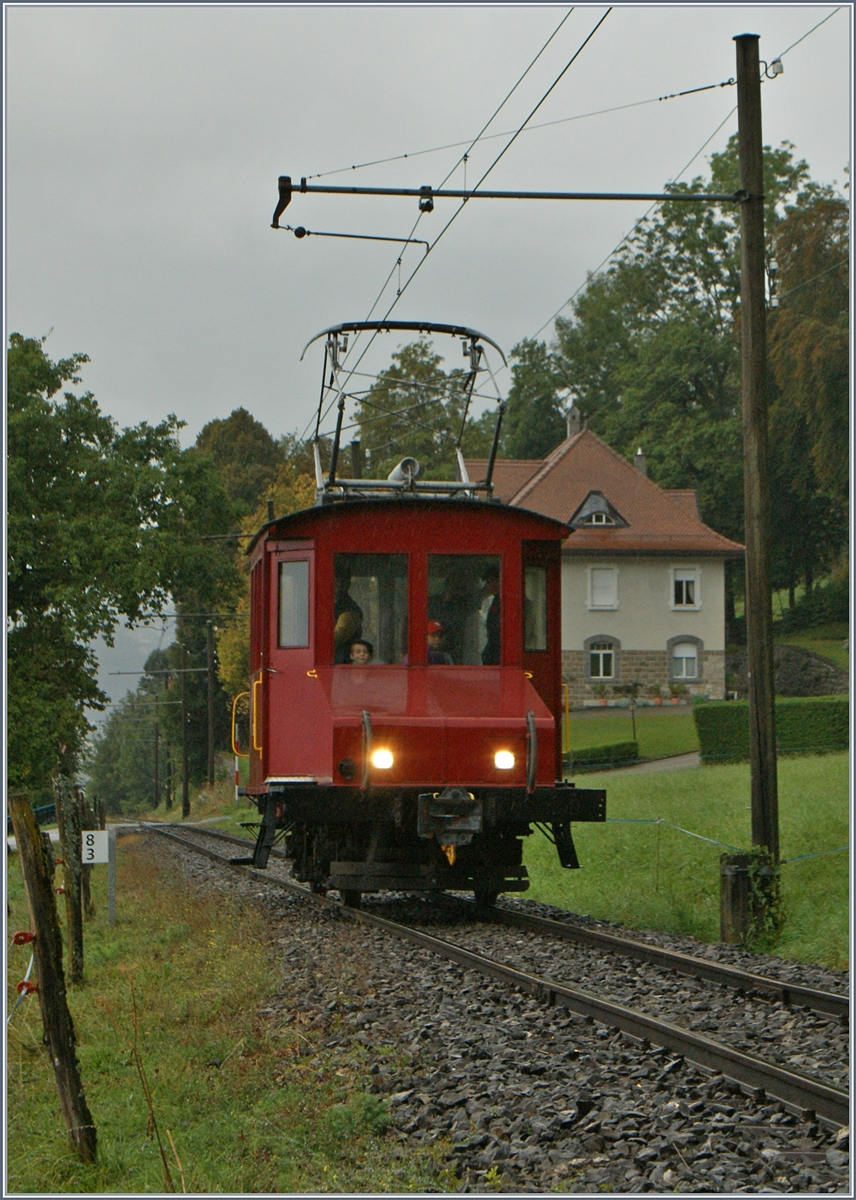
(566, 733)
(368, 738)
(531, 751)
(256, 746)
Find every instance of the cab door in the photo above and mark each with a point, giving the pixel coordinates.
(542, 629)
(296, 729)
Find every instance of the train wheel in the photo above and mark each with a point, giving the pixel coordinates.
(485, 899)
(317, 889)
(351, 898)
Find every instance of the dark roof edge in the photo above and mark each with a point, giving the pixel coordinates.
(317, 510)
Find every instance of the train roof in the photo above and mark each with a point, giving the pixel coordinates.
(332, 512)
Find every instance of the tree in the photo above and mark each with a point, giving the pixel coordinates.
(246, 456)
(103, 523)
(651, 352)
(416, 409)
(534, 422)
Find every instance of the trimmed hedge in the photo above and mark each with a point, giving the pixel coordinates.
(815, 725)
(596, 758)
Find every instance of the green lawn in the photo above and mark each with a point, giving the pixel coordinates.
(655, 877)
(658, 732)
(825, 640)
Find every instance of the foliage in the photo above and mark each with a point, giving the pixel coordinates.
(103, 523)
(416, 409)
(651, 356)
(246, 456)
(803, 726)
(601, 758)
(623, 880)
(828, 603)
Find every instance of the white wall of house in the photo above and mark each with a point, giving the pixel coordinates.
(648, 605)
(644, 615)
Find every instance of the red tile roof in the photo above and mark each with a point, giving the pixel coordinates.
(509, 474)
(658, 522)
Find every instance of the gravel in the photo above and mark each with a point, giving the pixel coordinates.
(515, 1096)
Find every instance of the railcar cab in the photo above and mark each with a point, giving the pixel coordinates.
(405, 690)
(454, 606)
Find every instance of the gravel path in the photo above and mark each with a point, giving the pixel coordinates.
(518, 1097)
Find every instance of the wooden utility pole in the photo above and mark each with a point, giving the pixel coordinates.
(753, 336)
(185, 782)
(47, 957)
(68, 820)
(209, 638)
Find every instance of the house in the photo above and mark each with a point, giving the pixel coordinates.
(643, 577)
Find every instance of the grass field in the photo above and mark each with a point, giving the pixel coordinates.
(825, 640)
(278, 1114)
(653, 876)
(659, 732)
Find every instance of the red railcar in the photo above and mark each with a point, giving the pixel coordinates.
(405, 698)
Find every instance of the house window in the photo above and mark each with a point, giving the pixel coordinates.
(601, 660)
(686, 587)
(601, 657)
(603, 587)
(599, 518)
(685, 659)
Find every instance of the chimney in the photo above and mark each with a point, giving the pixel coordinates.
(641, 461)
(572, 418)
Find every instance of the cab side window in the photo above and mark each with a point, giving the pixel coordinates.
(294, 603)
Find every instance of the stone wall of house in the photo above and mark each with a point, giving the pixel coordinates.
(650, 668)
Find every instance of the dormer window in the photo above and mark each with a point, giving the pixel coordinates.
(596, 510)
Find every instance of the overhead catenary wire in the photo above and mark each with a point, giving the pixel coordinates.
(385, 284)
(485, 174)
(677, 177)
(598, 112)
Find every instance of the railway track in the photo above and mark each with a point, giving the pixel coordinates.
(796, 1090)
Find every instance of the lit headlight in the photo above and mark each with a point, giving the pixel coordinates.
(504, 759)
(382, 759)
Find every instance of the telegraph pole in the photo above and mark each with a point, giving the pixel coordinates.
(209, 631)
(185, 782)
(753, 336)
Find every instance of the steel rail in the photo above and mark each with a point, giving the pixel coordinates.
(675, 960)
(792, 1088)
(789, 994)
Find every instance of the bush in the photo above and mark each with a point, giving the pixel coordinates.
(596, 758)
(828, 603)
(804, 726)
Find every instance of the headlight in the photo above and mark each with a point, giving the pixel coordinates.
(382, 759)
(504, 759)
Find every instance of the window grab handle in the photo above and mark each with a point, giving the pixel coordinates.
(531, 751)
(256, 743)
(367, 746)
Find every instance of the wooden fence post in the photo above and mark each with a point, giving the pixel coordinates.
(68, 819)
(47, 956)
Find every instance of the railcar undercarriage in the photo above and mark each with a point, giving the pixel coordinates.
(414, 840)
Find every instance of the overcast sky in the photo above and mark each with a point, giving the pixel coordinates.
(143, 146)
